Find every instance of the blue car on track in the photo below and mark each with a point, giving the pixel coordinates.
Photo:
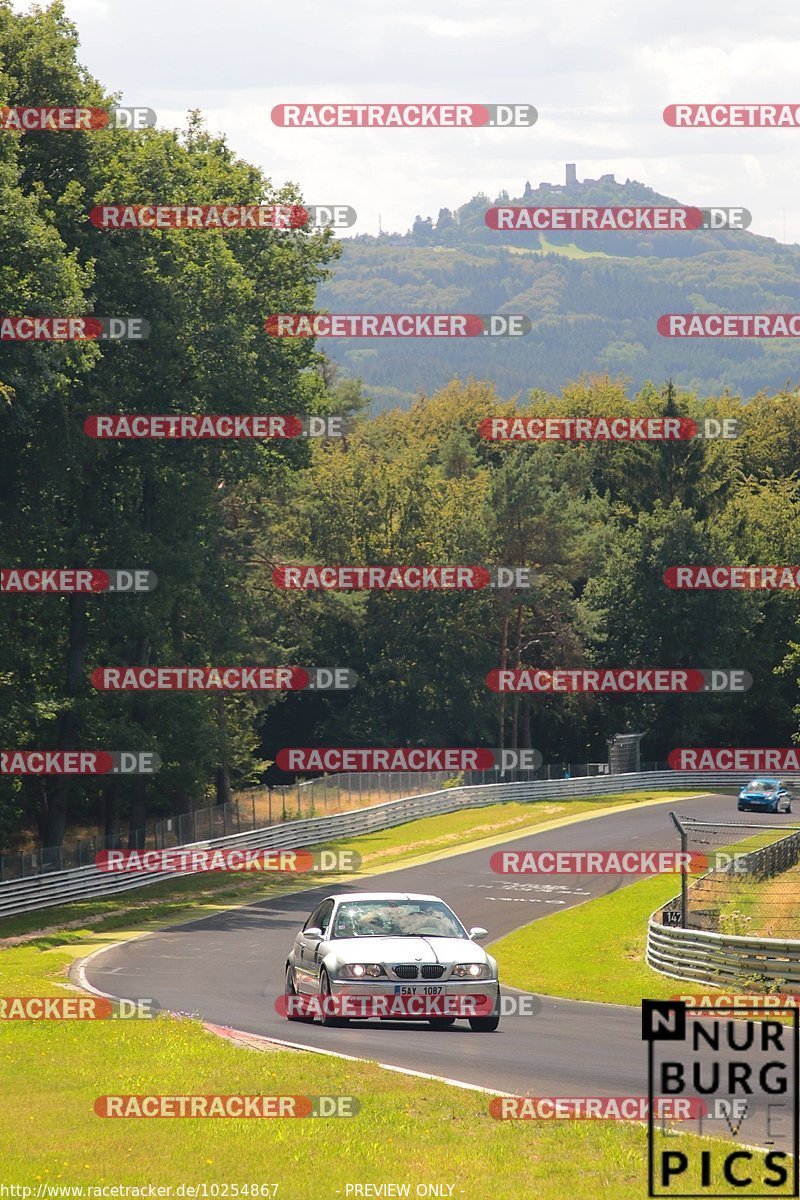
(766, 795)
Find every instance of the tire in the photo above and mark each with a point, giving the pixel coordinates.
(441, 1022)
(324, 992)
(290, 990)
(487, 1024)
(789, 807)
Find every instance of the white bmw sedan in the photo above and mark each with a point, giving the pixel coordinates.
(390, 955)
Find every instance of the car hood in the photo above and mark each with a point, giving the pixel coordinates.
(406, 950)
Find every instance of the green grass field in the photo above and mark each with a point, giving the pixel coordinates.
(594, 951)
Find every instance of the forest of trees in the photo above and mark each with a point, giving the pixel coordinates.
(599, 522)
(594, 313)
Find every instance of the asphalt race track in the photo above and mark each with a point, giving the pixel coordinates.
(229, 969)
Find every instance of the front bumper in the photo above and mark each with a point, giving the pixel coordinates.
(383, 999)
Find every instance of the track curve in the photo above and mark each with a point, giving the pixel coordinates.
(228, 969)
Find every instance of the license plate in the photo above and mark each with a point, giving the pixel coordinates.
(413, 989)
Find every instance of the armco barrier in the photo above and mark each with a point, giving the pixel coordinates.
(718, 959)
(87, 883)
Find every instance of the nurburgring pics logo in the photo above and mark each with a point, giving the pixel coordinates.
(754, 759)
(748, 1069)
(197, 859)
(406, 116)
(73, 329)
(721, 116)
(56, 579)
(733, 325)
(411, 579)
(223, 679)
(622, 219)
(176, 426)
(732, 578)
(602, 429)
(415, 758)
(55, 119)
(627, 679)
(225, 1106)
(458, 325)
(78, 762)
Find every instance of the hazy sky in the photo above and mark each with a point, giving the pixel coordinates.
(599, 75)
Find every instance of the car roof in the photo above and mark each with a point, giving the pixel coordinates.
(764, 779)
(342, 896)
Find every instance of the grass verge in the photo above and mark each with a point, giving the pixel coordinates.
(594, 951)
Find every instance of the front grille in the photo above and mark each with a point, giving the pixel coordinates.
(406, 971)
(433, 971)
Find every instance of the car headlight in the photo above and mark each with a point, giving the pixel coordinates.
(363, 971)
(471, 971)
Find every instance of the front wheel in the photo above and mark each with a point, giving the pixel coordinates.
(291, 996)
(326, 1002)
(487, 1024)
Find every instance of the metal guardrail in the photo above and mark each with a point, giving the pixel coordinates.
(87, 883)
(708, 957)
(717, 959)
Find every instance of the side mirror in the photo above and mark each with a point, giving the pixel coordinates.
(313, 931)
(478, 933)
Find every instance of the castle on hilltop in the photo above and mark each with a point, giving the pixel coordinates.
(571, 182)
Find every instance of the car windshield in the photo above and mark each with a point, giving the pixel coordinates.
(396, 918)
(761, 785)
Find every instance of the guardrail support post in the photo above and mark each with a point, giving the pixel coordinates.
(684, 877)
